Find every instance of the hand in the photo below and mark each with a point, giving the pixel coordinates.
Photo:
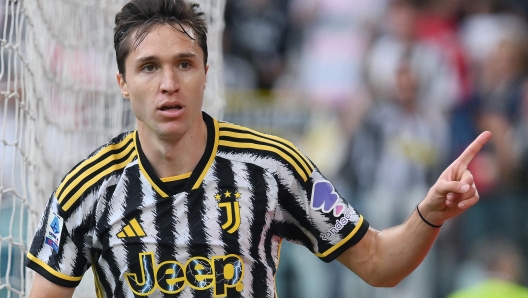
(455, 190)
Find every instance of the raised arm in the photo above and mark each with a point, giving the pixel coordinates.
(384, 258)
(43, 288)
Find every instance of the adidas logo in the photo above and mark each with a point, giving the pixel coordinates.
(133, 229)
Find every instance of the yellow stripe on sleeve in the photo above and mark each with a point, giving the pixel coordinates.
(343, 241)
(267, 148)
(92, 170)
(91, 159)
(269, 138)
(51, 270)
(308, 169)
(67, 205)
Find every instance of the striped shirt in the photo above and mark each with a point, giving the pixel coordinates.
(215, 232)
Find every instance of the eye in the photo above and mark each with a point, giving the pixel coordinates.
(185, 65)
(148, 68)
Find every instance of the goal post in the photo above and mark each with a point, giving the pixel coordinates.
(59, 100)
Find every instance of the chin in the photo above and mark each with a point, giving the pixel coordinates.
(171, 131)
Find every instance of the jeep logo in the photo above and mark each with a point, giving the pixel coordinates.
(199, 273)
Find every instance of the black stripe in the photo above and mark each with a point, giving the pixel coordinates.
(202, 294)
(292, 233)
(164, 223)
(87, 166)
(225, 178)
(132, 209)
(197, 244)
(83, 182)
(288, 203)
(268, 238)
(38, 239)
(197, 227)
(107, 252)
(259, 200)
(78, 237)
(165, 217)
(102, 232)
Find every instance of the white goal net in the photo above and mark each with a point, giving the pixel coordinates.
(59, 100)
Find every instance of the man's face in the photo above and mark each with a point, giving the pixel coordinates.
(165, 82)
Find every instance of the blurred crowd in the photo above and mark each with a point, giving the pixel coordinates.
(396, 90)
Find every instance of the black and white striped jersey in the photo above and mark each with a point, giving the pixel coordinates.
(215, 232)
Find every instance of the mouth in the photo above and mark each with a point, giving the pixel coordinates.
(169, 107)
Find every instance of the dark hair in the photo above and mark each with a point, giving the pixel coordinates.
(140, 16)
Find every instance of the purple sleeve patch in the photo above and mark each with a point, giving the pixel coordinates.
(325, 198)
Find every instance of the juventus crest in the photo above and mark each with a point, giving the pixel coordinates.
(228, 202)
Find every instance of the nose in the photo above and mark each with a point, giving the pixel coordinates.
(169, 82)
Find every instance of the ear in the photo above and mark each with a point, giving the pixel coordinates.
(122, 85)
(206, 71)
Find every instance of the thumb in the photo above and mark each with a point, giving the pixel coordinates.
(444, 187)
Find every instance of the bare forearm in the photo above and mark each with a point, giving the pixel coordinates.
(399, 250)
(384, 258)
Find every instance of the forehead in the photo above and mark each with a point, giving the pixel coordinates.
(164, 38)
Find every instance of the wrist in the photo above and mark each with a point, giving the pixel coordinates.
(427, 220)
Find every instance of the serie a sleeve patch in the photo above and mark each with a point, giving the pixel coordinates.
(53, 231)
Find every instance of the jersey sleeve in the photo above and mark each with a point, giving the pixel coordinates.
(314, 214)
(60, 248)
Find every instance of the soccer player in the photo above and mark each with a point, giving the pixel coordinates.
(190, 206)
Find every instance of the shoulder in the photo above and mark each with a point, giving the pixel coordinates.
(116, 144)
(105, 160)
(262, 149)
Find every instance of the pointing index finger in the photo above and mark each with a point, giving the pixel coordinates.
(465, 158)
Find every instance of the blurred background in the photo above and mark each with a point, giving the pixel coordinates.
(382, 95)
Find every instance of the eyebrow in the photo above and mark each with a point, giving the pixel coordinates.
(152, 57)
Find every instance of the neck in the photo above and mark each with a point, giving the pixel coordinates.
(175, 156)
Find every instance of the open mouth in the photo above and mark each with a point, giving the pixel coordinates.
(171, 107)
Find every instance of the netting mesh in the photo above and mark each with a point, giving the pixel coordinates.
(59, 100)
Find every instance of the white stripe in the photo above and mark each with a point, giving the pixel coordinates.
(115, 206)
(211, 214)
(108, 276)
(148, 216)
(247, 217)
(181, 226)
(272, 205)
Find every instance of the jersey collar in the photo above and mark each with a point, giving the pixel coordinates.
(197, 175)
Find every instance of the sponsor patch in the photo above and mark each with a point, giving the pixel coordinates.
(325, 198)
(53, 231)
(340, 224)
